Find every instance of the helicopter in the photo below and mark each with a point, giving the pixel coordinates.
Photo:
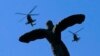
(75, 36)
(28, 16)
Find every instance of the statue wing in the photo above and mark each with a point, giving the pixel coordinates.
(69, 21)
(33, 35)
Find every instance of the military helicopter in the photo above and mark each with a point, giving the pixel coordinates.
(75, 36)
(29, 18)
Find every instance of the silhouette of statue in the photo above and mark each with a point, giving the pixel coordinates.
(53, 34)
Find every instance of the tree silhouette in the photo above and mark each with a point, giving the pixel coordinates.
(53, 34)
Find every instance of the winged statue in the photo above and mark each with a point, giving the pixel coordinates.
(53, 34)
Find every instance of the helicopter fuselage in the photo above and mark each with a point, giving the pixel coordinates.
(76, 38)
(30, 20)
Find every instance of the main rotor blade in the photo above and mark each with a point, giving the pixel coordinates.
(21, 19)
(33, 9)
(34, 14)
(21, 13)
(71, 32)
(79, 30)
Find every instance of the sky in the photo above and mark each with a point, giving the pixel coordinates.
(55, 10)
